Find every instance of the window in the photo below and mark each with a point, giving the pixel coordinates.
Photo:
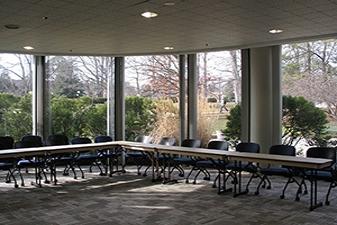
(152, 96)
(219, 91)
(16, 72)
(78, 94)
(309, 89)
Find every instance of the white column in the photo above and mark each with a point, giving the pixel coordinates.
(265, 97)
(40, 99)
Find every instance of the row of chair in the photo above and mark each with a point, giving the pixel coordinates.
(228, 170)
(69, 161)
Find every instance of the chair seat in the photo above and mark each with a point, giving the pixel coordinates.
(6, 166)
(135, 155)
(248, 167)
(321, 175)
(277, 171)
(29, 163)
(210, 164)
(184, 160)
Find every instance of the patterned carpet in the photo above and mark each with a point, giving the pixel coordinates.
(131, 199)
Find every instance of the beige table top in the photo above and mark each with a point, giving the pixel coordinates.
(313, 163)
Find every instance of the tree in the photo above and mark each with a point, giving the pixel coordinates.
(18, 117)
(233, 126)
(64, 77)
(297, 121)
(140, 116)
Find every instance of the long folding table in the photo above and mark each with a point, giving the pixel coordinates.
(152, 150)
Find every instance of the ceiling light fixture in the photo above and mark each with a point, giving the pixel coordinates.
(28, 47)
(275, 31)
(169, 4)
(12, 26)
(168, 48)
(149, 14)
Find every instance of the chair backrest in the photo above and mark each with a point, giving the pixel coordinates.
(143, 139)
(6, 142)
(282, 150)
(192, 143)
(248, 147)
(322, 152)
(57, 139)
(170, 141)
(30, 141)
(80, 140)
(103, 138)
(219, 145)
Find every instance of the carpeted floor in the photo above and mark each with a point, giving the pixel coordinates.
(131, 199)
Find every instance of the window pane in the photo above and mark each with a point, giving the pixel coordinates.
(78, 94)
(16, 72)
(309, 89)
(152, 97)
(219, 92)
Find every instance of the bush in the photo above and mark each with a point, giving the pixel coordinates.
(300, 120)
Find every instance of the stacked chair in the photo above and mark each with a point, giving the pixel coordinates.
(7, 142)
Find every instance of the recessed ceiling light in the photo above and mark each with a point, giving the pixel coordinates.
(168, 48)
(169, 3)
(149, 14)
(275, 31)
(28, 47)
(12, 26)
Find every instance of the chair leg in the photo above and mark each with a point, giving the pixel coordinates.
(257, 192)
(332, 185)
(13, 177)
(215, 180)
(196, 176)
(82, 173)
(73, 170)
(21, 177)
(189, 174)
(285, 187)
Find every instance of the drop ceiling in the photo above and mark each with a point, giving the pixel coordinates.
(115, 27)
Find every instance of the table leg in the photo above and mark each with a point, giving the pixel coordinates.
(313, 191)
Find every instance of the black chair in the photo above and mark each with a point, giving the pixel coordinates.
(168, 141)
(327, 174)
(38, 163)
(60, 159)
(109, 157)
(203, 165)
(247, 147)
(8, 164)
(177, 162)
(87, 158)
(278, 170)
(139, 158)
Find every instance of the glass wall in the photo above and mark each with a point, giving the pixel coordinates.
(219, 92)
(152, 97)
(16, 72)
(78, 94)
(309, 89)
